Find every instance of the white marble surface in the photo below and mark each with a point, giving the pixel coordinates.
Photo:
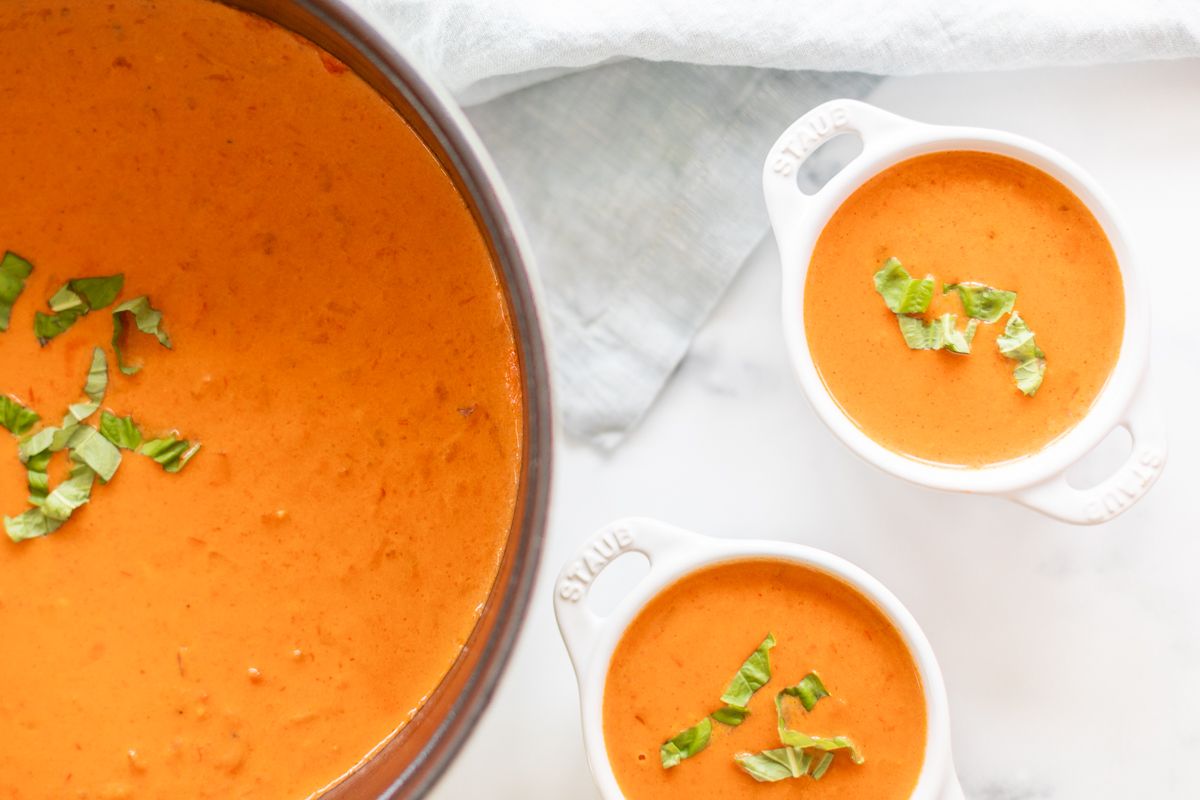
(1071, 655)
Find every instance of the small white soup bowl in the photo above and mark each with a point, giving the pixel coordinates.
(674, 553)
(1035, 480)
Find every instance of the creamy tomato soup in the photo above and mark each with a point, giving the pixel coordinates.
(258, 623)
(964, 216)
(676, 658)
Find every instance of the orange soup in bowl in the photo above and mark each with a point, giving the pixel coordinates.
(761, 676)
(215, 236)
(1002, 309)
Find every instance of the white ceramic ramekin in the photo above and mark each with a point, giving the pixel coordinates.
(674, 553)
(1036, 480)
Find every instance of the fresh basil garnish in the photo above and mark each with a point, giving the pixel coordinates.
(88, 446)
(821, 766)
(906, 296)
(70, 494)
(93, 456)
(96, 293)
(37, 477)
(731, 715)
(983, 302)
(1018, 343)
(903, 293)
(794, 759)
(121, 431)
(95, 451)
(30, 525)
(16, 418)
(13, 272)
(76, 299)
(171, 452)
(808, 691)
(779, 764)
(751, 676)
(37, 443)
(824, 743)
(93, 389)
(940, 334)
(686, 743)
(146, 318)
(1028, 376)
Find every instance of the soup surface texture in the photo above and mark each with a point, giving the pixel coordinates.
(964, 216)
(258, 623)
(678, 655)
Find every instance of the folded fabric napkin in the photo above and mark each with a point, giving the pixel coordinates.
(638, 180)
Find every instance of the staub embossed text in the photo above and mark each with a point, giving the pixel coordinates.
(813, 132)
(595, 557)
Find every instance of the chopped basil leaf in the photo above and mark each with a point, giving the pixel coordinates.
(121, 431)
(47, 326)
(803, 740)
(61, 437)
(779, 764)
(941, 333)
(822, 765)
(13, 272)
(146, 318)
(686, 743)
(983, 302)
(808, 691)
(89, 447)
(1028, 375)
(37, 443)
(920, 335)
(902, 293)
(731, 715)
(75, 299)
(1017, 343)
(97, 293)
(94, 450)
(15, 417)
(70, 494)
(753, 674)
(67, 299)
(958, 341)
(172, 453)
(30, 525)
(93, 389)
(37, 477)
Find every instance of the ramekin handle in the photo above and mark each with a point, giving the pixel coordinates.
(1123, 488)
(785, 200)
(662, 544)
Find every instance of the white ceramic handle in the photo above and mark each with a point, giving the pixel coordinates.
(661, 544)
(1123, 488)
(785, 200)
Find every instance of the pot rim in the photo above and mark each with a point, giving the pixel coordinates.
(1035, 479)
(674, 553)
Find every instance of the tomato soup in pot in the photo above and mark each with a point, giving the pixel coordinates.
(256, 616)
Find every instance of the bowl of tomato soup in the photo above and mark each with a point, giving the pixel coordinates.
(740, 668)
(274, 389)
(964, 310)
